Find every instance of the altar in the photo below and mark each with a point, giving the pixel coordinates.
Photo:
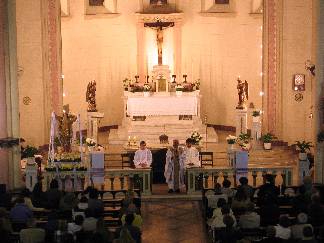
(158, 104)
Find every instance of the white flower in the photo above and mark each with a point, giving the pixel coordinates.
(231, 137)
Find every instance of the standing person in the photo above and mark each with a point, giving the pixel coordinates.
(191, 155)
(174, 167)
(143, 156)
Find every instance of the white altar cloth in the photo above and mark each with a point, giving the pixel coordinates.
(157, 105)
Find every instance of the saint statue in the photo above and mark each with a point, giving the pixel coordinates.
(243, 93)
(65, 130)
(91, 96)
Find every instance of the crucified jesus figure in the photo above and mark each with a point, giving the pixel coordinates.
(159, 26)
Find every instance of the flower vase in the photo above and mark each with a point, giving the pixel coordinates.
(267, 146)
(146, 94)
(178, 93)
(91, 149)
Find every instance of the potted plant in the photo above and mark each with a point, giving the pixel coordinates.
(256, 116)
(244, 141)
(29, 153)
(147, 89)
(303, 147)
(179, 89)
(126, 83)
(267, 138)
(231, 140)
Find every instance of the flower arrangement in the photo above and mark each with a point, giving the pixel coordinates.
(126, 83)
(67, 157)
(65, 167)
(196, 137)
(91, 142)
(188, 87)
(244, 141)
(147, 88)
(136, 88)
(179, 87)
(231, 139)
(256, 113)
(303, 146)
(29, 152)
(197, 84)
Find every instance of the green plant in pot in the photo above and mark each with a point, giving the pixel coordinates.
(29, 153)
(267, 139)
(303, 147)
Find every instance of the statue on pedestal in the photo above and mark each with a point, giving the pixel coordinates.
(91, 96)
(243, 93)
(65, 130)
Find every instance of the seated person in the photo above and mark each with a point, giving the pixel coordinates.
(282, 229)
(143, 156)
(20, 213)
(90, 223)
(228, 234)
(297, 229)
(95, 205)
(226, 189)
(240, 202)
(191, 155)
(271, 236)
(134, 231)
(76, 225)
(137, 222)
(246, 187)
(249, 219)
(32, 233)
(308, 235)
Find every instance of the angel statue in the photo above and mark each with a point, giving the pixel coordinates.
(65, 130)
(91, 96)
(243, 93)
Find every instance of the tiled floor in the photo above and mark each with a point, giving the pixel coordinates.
(173, 221)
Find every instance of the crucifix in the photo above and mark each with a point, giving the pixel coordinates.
(159, 26)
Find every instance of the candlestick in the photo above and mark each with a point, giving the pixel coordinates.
(136, 77)
(174, 78)
(185, 78)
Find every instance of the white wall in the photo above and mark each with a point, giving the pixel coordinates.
(215, 49)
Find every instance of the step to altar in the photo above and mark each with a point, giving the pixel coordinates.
(151, 128)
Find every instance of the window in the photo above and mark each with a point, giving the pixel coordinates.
(222, 1)
(96, 2)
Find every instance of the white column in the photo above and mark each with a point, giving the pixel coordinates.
(177, 33)
(241, 121)
(140, 50)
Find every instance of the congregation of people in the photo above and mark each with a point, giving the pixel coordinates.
(58, 216)
(246, 214)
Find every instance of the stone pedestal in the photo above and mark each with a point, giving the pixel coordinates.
(31, 176)
(303, 170)
(241, 121)
(93, 121)
(256, 130)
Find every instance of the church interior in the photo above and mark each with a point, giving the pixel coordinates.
(161, 120)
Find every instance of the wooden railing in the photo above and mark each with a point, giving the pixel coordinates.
(125, 178)
(199, 178)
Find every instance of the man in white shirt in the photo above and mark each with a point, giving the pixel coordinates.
(143, 156)
(191, 155)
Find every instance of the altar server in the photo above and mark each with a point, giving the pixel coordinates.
(174, 167)
(143, 156)
(191, 155)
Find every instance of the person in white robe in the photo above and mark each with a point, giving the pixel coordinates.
(143, 156)
(174, 168)
(191, 155)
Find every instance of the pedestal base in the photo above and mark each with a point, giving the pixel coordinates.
(241, 121)
(93, 122)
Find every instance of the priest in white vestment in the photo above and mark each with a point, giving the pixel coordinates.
(191, 155)
(143, 156)
(174, 168)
